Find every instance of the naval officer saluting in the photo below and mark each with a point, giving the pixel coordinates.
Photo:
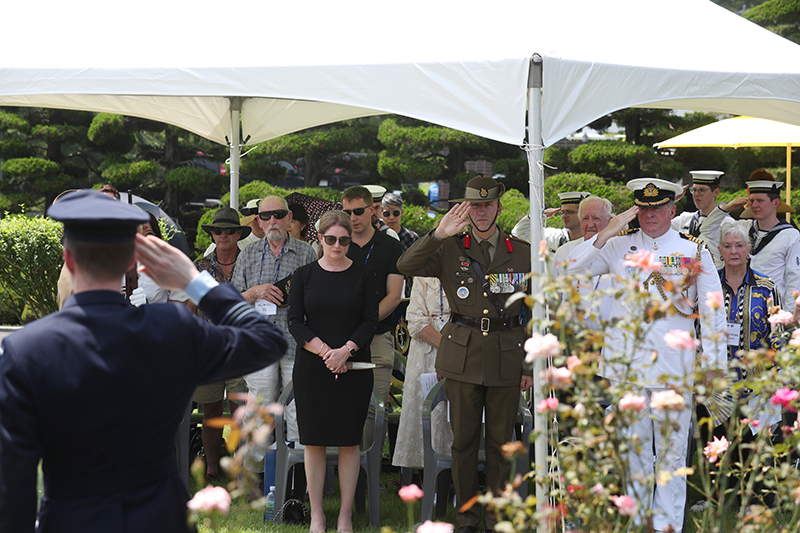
(605, 253)
(481, 352)
(65, 378)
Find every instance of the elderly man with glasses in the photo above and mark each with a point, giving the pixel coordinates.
(262, 269)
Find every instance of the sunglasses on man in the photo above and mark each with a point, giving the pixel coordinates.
(395, 213)
(330, 240)
(278, 214)
(226, 231)
(358, 211)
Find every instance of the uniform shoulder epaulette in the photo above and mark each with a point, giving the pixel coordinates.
(763, 281)
(627, 232)
(690, 238)
(518, 239)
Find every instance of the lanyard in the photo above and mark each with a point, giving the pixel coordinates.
(441, 301)
(280, 260)
(369, 253)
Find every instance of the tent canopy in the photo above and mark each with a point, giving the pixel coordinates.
(459, 64)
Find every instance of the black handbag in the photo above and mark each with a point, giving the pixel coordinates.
(293, 511)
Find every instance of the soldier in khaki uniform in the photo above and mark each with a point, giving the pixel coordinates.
(481, 351)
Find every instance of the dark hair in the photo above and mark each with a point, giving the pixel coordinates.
(108, 188)
(155, 226)
(330, 219)
(356, 192)
(102, 261)
(300, 214)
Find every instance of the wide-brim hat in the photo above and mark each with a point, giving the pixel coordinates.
(226, 217)
(249, 212)
(481, 189)
(653, 192)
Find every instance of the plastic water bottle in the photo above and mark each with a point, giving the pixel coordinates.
(269, 513)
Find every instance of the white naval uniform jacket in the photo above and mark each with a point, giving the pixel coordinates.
(710, 227)
(668, 249)
(779, 260)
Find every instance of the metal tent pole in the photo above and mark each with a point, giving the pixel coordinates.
(236, 107)
(536, 182)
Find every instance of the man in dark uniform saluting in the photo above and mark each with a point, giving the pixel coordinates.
(481, 352)
(65, 380)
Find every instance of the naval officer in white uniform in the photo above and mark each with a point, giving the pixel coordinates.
(605, 253)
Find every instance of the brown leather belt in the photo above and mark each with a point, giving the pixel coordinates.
(485, 324)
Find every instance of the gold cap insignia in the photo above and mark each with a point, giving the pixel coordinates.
(650, 191)
(484, 192)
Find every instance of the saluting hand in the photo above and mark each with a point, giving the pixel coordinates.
(735, 204)
(166, 265)
(615, 225)
(453, 221)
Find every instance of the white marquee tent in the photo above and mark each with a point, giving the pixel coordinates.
(285, 66)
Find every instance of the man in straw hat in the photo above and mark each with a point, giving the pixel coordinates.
(774, 243)
(107, 469)
(479, 269)
(606, 253)
(226, 232)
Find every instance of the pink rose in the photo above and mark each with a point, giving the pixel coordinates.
(643, 260)
(715, 448)
(558, 377)
(714, 299)
(781, 317)
(667, 400)
(597, 489)
(633, 402)
(626, 504)
(435, 527)
(410, 493)
(541, 346)
(678, 339)
(210, 499)
(549, 404)
(784, 397)
(573, 361)
(795, 340)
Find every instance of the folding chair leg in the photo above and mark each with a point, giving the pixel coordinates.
(443, 493)
(361, 492)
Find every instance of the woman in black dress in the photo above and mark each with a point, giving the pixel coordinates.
(333, 314)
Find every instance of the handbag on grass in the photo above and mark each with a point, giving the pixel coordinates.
(293, 511)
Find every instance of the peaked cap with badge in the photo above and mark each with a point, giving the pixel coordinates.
(482, 189)
(96, 217)
(653, 192)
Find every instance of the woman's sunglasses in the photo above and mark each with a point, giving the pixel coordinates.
(330, 240)
(358, 211)
(395, 213)
(227, 231)
(278, 214)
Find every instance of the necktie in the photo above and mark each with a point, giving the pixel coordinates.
(486, 245)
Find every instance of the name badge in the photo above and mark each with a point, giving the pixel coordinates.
(265, 307)
(733, 332)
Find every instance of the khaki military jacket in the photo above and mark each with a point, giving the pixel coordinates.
(466, 354)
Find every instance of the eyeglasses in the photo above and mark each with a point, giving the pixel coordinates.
(358, 211)
(395, 213)
(278, 214)
(699, 190)
(330, 240)
(227, 231)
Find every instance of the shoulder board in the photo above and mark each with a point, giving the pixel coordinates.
(517, 239)
(690, 238)
(628, 232)
(763, 281)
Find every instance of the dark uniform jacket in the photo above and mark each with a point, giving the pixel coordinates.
(97, 391)
(465, 353)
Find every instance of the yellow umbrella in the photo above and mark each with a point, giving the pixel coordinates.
(743, 132)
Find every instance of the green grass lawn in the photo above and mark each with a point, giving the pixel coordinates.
(394, 514)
